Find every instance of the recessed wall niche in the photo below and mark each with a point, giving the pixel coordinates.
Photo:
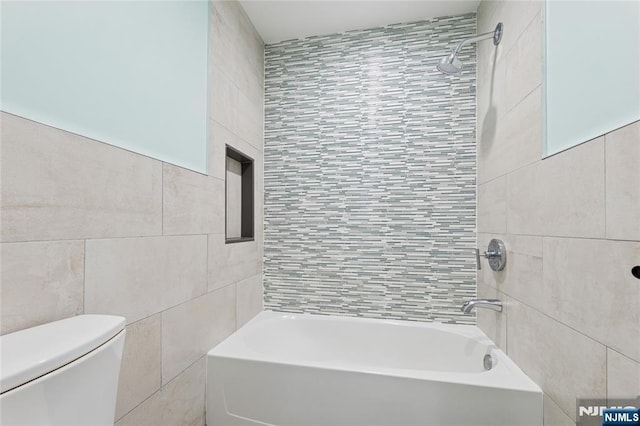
(239, 197)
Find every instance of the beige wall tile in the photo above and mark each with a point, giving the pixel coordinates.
(250, 56)
(219, 138)
(224, 99)
(491, 107)
(180, 402)
(224, 28)
(553, 415)
(623, 183)
(250, 119)
(491, 214)
(200, 421)
(41, 282)
(562, 195)
(522, 64)
(516, 17)
(237, 49)
(57, 185)
(588, 286)
(192, 203)
(492, 323)
(249, 299)
(230, 263)
(137, 277)
(623, 376)
(517, 141)
(193, 328)
(522, 276)
(564, 363)
(140, 374)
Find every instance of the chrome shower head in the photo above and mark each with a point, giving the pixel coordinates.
(451, 65)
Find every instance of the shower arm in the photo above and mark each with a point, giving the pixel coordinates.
(480, 37)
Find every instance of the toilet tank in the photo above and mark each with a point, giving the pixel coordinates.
(62, 373)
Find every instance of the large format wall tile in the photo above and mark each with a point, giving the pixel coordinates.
(191, 329)
(224, 99)
(517, 142)
(623, 183)
(219, 138)
(522, 276)
(553, 415)
(494, 324)
(230, 263)
(572, 302)
(552, 354)
(571, 281)
(236, 47)
(522, 64)
(623, 376)
(561, 195)
(41, 282)
(140, 371)
(249, 299)
(250, 121)
(492, 206)
(142, 226)
(370, 173)
(137, 277)
(180, 402)
(516, 17)
(192, 203)
(57, 185)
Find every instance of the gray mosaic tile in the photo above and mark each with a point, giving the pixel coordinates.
(370, 173)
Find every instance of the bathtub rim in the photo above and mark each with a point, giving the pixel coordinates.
(505, 374)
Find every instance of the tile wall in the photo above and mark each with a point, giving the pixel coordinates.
(571, 224)
(90, 228)
(370, 173)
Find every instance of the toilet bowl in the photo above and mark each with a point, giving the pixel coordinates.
(62, 373)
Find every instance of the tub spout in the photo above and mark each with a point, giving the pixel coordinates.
(493, 304)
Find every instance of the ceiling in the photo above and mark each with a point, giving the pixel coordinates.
(278, 20)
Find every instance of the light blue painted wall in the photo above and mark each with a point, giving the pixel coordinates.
(592, 69)
(129, 73)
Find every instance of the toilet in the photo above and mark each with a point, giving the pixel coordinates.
(62, 373)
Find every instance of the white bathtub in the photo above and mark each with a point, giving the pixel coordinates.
(301, 369)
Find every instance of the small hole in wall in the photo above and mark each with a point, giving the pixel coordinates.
(238, 197)
(635, 271)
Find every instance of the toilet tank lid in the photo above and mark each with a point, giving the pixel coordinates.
(28, 354)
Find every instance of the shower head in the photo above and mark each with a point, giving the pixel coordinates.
(451, 65)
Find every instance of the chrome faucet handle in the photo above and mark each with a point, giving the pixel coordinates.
(496, 254)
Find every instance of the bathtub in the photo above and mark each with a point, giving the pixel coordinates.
(301, 369)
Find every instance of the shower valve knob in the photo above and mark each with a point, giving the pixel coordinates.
(496, 254)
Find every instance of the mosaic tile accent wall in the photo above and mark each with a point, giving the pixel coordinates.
(370, 173)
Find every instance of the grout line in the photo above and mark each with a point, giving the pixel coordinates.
(498, 233)
(84, 277)
(557, 404)
(162, 387)
(606, 373)
(162, 199)
(108, 238)
(604, 178)
(558, 321)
